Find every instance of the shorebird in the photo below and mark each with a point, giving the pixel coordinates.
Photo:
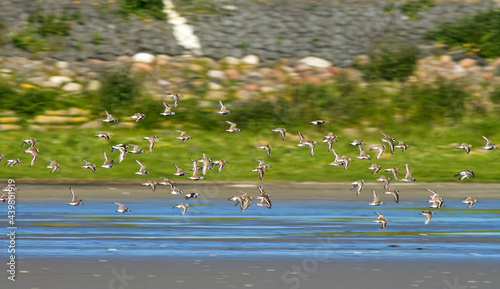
(232, 127)
(469, 201)
(135, 149)
(282, 131)
(54, 166)
(34, 152)
(346, 161)
(401, 145)
(267, 148)
(30, 141)
(184, 208)
(435, 199)
(394, 193)
(381, 220)
(380, 148)
(312, 146)
(265, 199)
(123, 151)
(220, 163)
(109, 118)
(175, 96)
(428, 214)
(338, 159)
(179, 171)
(260, 170)
(465, 174)
(89, 165)
(121, 208)
(192, 196)
(317, 122)
(262, 164)
(358, 184)
(206, 163)
(142, 170)
(152, 140)
(356, 142)
(376, 200)
(408, 177)
(362, 154)
(488, 145)
(196, 172)
(330, 136)
(246, 201)
(223, 109)
(4, 197)
(168, 111)
(388, 140)
(183, 137)
(105, 135)
(74, 199)
(465, 146)
(376, 168)
(174, 190)
(386, 181)
(12, 163)
(138, 116)
(1, 157)
(394, 172)
(107, 162)
(302, 140)
(151, 184)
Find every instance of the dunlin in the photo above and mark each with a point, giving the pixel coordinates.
(174, 190)
(388, 140)
(465, 174)
(109, 118)
(408, 177)
(121, 208)
(192, 196)
(376, 200)
(223, 109)
(30, 141)
(338, 159)
(435, 199)
(394, 172)
(386, 181)
(74, 199)
(282, 131)
(138, 116)
(356, 142)
(196, 172)
(401, 145)
(175, 96)
(394, 193)
(362, 154)
(123, 151)
(4, 197)
(381, 220)
(376, 168)
(262, 164)
(168, 111)
(105, 135)
(183, 136)
(428, 214)
(151, 184)
(267, 148)
(107, 162)
(89, 165)
(312, 146)
(380, 148)
(135, 149)
(220, 163)
(34, 152)
(302, 140)
(142, 170)
(179, 171)
(54, 166)
(184, 208)
(232, 127)
(260, 170)
(471, 201)
(265, 199)
(317, 122)
(488, 145)
(206, 163)
(12, 163)
(330, 136)
(152, 139)
(359, 185)
(465, 146)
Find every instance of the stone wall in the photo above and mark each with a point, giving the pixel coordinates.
(333, 30)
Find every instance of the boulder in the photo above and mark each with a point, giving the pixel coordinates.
(312, 61)
(143, 57)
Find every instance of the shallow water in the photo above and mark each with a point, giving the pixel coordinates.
(291, 228)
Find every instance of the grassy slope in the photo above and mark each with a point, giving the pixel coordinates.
(432, 156)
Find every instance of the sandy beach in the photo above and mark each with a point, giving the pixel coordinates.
(34, 191)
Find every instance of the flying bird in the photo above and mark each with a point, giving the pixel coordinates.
(282, 131)
(74, 199)
(381, 220)
(109, 118)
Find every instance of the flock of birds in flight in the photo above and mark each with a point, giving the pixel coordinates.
(245, 200)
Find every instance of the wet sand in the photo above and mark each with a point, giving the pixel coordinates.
(219, 273)
(311, 191)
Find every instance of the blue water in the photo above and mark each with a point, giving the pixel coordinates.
(290, 228)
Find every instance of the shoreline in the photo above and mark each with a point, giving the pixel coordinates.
(49, 191)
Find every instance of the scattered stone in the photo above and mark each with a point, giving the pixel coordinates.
(72, 86)
(232, 73)
(58, 80)
(445, 58)
(252, 60)
(252, 87)
(94, 85)
(217, 74)
(143, 57)
(214, 86)
(312, 61)
(61, 65)
(467, 62)
(141, 66)
(232, 61)
(162, 59)
(361, 59)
